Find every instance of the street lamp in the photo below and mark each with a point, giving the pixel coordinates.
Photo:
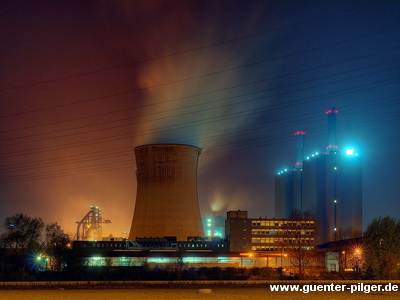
(344, 260)
(357, 255)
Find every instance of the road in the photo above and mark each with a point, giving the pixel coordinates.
(186, 294)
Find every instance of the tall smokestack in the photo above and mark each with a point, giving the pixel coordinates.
(331, 114)
(166, 198)
(300, 135)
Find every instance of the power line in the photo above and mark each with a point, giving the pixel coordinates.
(245, 133)
(126, 136)
(129, 163)
(205, 93)
(200, 104)
(204, 75)
(251, 111)
(263, 32)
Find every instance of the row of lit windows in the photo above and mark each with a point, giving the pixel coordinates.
(101, 245)
(279, 240)
(303, 231)
(139, 261)
(198, 245)
(157, 245)
(264, 240)
(274, 248)
(281, 232)
(266, 248)
(266, 223)
(282, 223)
(297, 241)
(263, 231)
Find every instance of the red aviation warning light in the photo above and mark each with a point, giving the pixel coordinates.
(299, 133)
(332, 111)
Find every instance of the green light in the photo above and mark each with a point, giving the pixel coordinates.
(335, 201)
(334, 229)
(39, 258)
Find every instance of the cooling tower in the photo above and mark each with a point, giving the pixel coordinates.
(166, 199)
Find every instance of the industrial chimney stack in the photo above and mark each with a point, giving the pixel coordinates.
(300, 135)
(331, 113)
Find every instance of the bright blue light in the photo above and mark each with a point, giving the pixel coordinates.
(350, 151)
(308, 157)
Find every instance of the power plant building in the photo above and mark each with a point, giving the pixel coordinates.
(166, 201)
(330, 187)
(271, 235)
(288, 186)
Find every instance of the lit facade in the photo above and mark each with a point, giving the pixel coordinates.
(332, 191)
(274, 235)
(330, 187)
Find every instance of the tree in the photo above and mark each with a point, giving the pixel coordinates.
(382, 247)
(299, 239)
(56, 245)
(22, 232)
(22, 235)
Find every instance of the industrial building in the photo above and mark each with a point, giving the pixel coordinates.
(166, 199)
(274, 235)
(90, 228)
(328, 184)
(167, 227)
(214, 226)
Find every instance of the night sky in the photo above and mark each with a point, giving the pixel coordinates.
(84, 82)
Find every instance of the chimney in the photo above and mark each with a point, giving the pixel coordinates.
(300, 135)
(331, 114)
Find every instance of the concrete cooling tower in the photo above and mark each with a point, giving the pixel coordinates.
(166, 199)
